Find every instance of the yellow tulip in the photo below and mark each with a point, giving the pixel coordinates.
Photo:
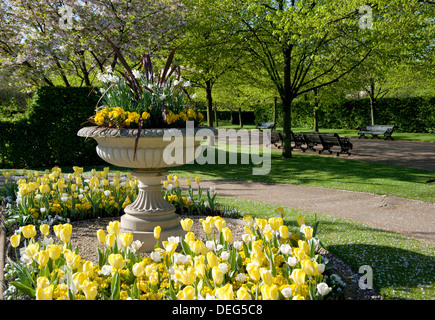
(283, 232)
(218, 275)
(138, 269)
(15, 240)
(88, 268)
(189, 237)
(170, 246)
(126, 238)
(298, 297)
(299, 254)
(270, 292)
(186, 224)
(72, 260)
(44, 188)
(101, 235)
(243, 294)
(310, 267)
(45, 229)
(198, 247)
(116, 261)
(308, 232)
(197, 179)
(225, 292)
(90, 289)
(304, 246)
(78, 279)
(300, 220)
(65, 235)
(42, 282)
(275, 223)
(54, 251)
(268, 234)
(28, 231)
(42, 258)
(219, 223)
(298, 276)
(261, 223)
(187, 277)
(110, 240)
(253, 271)
(32, 249)
(44, 293)
(226, 232)
(188, 293)
(249, 221)
(157, 231)
(200, 269)
(113, 227)
(169, 177)
(188, 182)
(154, 278)
(266, 275)
(207, 224)
(212, 259)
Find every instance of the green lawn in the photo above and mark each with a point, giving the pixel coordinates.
(402, 267)
(327, 172)
(426, 137)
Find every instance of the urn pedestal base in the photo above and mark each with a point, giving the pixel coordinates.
(150, 210)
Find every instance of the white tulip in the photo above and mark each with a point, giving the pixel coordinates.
(323, 289)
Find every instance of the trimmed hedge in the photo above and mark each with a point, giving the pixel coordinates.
(46, 135)
(414, 114)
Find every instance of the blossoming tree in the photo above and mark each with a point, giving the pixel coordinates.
(48, 43)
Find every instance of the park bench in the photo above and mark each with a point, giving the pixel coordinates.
(327, 141)
(297, 139)
(376, 131)
(266, 125)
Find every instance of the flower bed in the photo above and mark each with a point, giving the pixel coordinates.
(270, 263)
(54, 197)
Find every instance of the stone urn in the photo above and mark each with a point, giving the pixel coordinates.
(156, 150)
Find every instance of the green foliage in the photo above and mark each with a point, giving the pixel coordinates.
(46, 134)
(413, 114)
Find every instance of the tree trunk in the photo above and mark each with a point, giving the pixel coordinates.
(316, 106)
(372, 102)
(287, 98)
(240, 118)
(209, 103)
(215, 115)
(274, 111)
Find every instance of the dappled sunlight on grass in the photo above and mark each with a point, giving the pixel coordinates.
(402, 266)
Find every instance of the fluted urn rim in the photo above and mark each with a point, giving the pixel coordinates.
(101, 132)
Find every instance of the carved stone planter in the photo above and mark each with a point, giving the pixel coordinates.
(153, 156)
